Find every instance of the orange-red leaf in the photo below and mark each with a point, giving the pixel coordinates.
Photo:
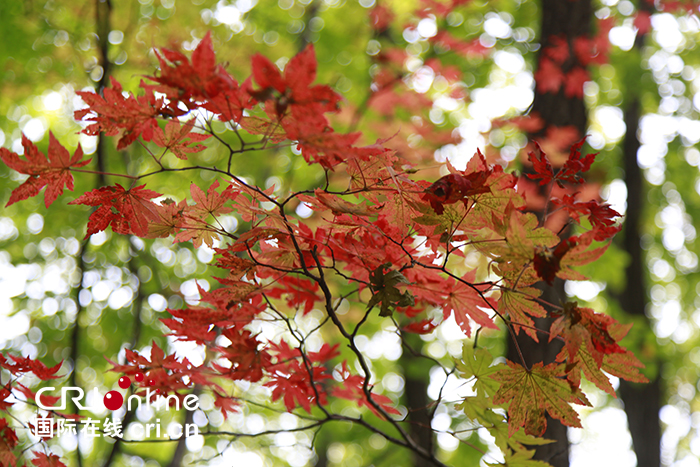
(180, 79)
(27, 365)
(115, 114)
(8, 441)
(128, 211)
(176, 137)
(353, 390)
(52, 173)
(468, 302)
(582, 326)
(169, 219)
(209, 203)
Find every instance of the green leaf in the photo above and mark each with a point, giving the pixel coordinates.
(521, 459)
(477, 364)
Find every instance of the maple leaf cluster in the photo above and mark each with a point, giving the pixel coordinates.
(14, 390)
(389, 243)
(563, 63)
(601, 216)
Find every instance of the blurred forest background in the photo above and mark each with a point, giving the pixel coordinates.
(62, 298)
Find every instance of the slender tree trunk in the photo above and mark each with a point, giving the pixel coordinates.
(642, 402)
(415, 369)
(568, 20)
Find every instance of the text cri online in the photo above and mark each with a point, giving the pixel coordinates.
(190, 401)
(48, 427)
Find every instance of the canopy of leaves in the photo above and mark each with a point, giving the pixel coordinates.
(255, 163)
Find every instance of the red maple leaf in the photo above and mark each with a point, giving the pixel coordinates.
(325, 146)
(226, 404)
(574, 208)
(53, 172)
(467, 302)
(548, 76)
(8, 441)
(547, 260)
(170, 218)
(294, 88)
(582, 326)
(458, 185)
(298, 292)
(28, 365)
(164, 372)
(447, 190)
(573, 84)
(541, 166)
(209, 203)
(531, 393)
(128, 211)
(4, 394)
(642, 22)
(290, 379)
(558, 50)
(352, 389)
(115, 114)
(325, 353)
(201, 78)
(601, 216)
(44, 460)
(177, 137)
(29, 394)
(186, 331)
(575, 164)
(158, 359)
(194, 226)
(294, 388)
(229, 105)
(425, 326)
(246, 359)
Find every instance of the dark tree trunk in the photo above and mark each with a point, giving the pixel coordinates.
(421, 411)
(642, 402)
(568, 19)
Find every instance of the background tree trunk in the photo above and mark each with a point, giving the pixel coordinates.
(569, 20)
(642, 401)
(416, 373)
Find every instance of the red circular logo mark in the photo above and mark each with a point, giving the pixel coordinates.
(113, 400)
